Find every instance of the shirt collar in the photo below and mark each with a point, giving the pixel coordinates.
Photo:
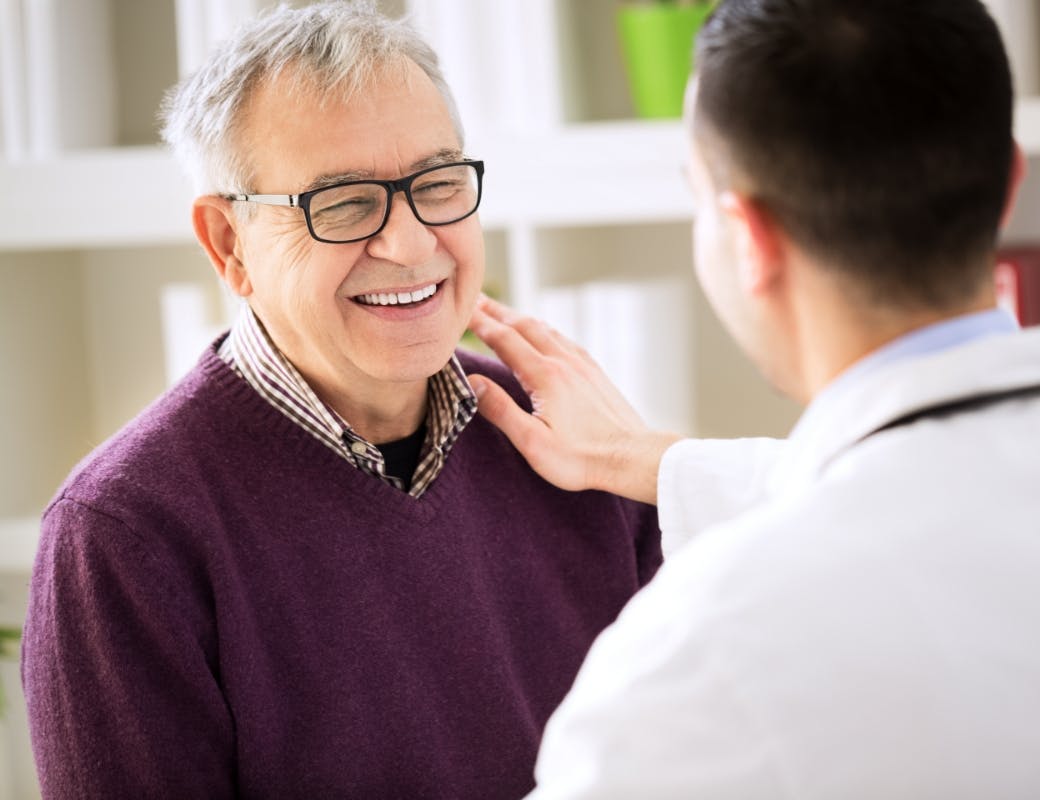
(915, 370)
(932, 338)
(452, 403)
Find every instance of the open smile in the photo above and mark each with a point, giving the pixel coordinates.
(411, 298)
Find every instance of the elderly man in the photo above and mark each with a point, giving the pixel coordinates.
(309, 570)
(854, 612)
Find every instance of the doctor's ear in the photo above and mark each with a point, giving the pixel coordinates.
(758, 240)
(217, 229)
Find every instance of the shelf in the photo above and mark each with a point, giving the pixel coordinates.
(95, 198)
(589, 174)
(599, 173)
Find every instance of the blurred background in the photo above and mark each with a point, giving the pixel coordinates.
(105, 299)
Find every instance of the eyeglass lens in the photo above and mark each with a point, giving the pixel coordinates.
(357, 210)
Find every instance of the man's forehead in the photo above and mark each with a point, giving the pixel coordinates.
(304, 137)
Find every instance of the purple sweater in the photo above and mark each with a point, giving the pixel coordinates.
(223, 607)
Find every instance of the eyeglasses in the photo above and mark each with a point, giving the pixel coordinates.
(355, 210)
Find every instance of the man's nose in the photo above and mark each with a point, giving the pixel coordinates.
(404, 239)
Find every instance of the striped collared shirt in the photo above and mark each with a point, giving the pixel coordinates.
(249, 351)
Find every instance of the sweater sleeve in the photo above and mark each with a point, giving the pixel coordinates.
(646, 533)
(122, 699)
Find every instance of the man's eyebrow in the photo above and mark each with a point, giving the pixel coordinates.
(445, 156)
(332, 179)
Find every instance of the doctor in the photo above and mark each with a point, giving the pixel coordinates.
(853, 612)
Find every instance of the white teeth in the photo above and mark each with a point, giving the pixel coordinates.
(397, 298)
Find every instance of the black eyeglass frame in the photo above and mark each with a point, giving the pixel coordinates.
(404, 185)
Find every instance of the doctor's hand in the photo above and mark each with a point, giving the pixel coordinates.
(582, 433)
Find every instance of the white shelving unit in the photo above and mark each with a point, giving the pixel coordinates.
(94, 214)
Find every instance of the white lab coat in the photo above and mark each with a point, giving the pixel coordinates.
(862, 620)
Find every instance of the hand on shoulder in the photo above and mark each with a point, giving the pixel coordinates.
(582, 433)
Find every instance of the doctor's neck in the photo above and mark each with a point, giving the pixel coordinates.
(833, 325)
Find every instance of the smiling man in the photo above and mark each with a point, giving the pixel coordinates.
(310, 570)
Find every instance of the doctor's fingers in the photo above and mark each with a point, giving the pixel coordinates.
(515, 349)
(544, 360)
(526, 336)
(542, 336)
(547, 364)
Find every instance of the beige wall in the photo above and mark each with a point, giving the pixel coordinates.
(44, 400)
(79, 338)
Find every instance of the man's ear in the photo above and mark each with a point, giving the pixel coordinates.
(217, 229)
(1019, 167)
(758, 241)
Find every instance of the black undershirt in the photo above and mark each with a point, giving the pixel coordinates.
(402, 457)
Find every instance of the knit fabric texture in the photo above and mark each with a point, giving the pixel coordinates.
(223, 607)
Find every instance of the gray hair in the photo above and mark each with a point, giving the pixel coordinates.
(334, 46)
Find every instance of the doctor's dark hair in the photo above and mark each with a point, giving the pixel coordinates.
(878, 133)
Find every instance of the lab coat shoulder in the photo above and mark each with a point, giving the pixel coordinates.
(702, 482)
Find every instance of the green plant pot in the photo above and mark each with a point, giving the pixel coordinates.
(657, 44)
